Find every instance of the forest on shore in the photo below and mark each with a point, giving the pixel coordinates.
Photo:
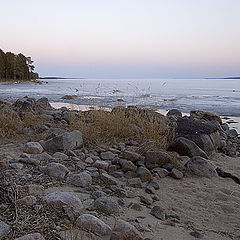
(16, 67)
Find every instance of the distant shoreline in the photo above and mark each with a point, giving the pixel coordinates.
(59, 78)
(224, 78)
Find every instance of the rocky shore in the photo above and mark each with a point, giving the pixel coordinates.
(126, 174)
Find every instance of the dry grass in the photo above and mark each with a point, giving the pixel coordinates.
(123, 124)
(11, 124)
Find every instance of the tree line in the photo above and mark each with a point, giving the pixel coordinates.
(16, 67)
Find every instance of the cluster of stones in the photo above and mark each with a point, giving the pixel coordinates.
(110, 174)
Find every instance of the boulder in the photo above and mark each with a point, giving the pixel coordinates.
(107, 205)
(90, 223)
(108, 179)
(134, 182)
(65, 141)
(128, 166)
(32, 236)
(71, 203)
(131, 156)
(205, 115)
(174, 112)
(43, 103)
(33, 148)
(158, 212)
(56, 170)
(201, 167)
(125, 231)
(82, 179)
(186, 147)
(60, 155)
(107, 155)
(156, 159)
(144, 174)
(175, 173)
(101, 165)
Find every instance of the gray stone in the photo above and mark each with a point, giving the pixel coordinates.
(146, 199)
(174, 112)
(161, 172)
(101, 165)
(90, 223)
(128, 166)
(98, 194)
(156, 159)
(107, 155)
(158, 212)
(186, 147)
(200, 167)
(175, 173)
(4, 229)
(31, 236)
(131, 156)
(153, 184)
(144, 174)
(65, 141)
(82, 179)
(56, 170)
(107, 205)
(125, 231)
(134, 182)
(108, 179)
(71, 203)
(33, 148)
(61, 156)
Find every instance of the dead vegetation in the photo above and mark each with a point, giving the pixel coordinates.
(100, 126)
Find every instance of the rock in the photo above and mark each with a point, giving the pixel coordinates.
(144, 174)
(43, 103)
(41, 157)
(90, 223)
(131, 156)
(65, 141)
(101, 165)
(125, 231)
(156, 159)
(162, 172)
(158, 212)
(128, 166)
(29, 161)
(108, 179)
(205, 115)
(32, 236)
(186, 147)
(4, 229)
(169, 166)
(61, 156)
(33, 148)
(175, 173)
(134, 182)
(200, 167)
(146, 199)
(153, 184)
(174, 112)
(82, 179)
(89, 160)
(28, 200)
(107, 155)
(71, 203)
(232, 133)
(98, 194)
(150, 189)
(56, 170)
(107, 205)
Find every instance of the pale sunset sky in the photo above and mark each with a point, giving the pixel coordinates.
(125, 38)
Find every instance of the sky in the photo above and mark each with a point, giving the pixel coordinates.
(125, 38)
